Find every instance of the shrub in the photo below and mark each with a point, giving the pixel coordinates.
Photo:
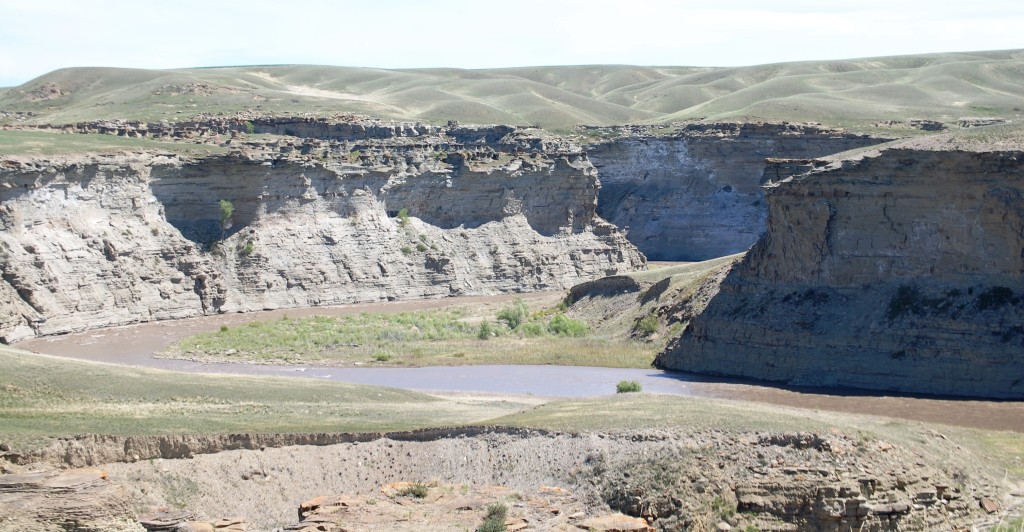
(627, 387)
(382, 357)
(227, 211)
(647, 325)
(418, 490)
(223, 328)
(247, 250)
(495, 520)
(563, 325)
(532, 329)
(406, 250)
(403, 217)
(514, 315)
(485, 331)
(250, 128)
(421, 247)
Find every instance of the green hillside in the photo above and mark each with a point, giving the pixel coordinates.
(846, 92)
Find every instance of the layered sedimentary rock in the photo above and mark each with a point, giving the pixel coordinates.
(97, 240)
(696, 194)
(900, 270)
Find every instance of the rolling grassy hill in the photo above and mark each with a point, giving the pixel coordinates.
(845, 92)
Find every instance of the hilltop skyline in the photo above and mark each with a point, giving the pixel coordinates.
(36, 39)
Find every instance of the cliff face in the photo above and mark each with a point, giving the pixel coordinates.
(899, 271)
(696, 194)
(93, 241)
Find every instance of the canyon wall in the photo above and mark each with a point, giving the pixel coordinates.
(899, 270)
(97, 240)
(696, 194)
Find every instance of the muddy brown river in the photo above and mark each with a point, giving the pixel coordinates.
(134, 345)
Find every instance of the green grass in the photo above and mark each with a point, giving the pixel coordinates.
(441, 337)
(14, 142)
(45, 397)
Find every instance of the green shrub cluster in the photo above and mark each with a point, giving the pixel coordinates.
(514, 315)
(563, 325)
(403, 217)
(647, 325)
(627, 387)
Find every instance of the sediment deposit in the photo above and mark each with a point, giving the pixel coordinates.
(695, 194)
(97, 240)
(899, 270)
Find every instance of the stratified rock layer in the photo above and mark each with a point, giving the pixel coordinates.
(696, 194)
(902, 270)
(99, 240)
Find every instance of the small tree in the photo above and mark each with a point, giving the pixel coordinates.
(227, 211)
(250, 128)
(403, 217)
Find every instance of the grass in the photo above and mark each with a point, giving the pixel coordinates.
(51, 143)
(848, 93)
(977, 450)
(443, 337)
(44, 397)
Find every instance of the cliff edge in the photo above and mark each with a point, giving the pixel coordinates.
(900, 269)
(96, 240)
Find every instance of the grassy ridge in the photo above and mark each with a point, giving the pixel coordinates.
(53, 143)
(842, 92)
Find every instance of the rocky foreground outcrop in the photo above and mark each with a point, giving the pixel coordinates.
(899, 270)
(692, 479)
(97, 240)
(695, 194)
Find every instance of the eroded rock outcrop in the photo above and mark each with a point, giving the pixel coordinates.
(98, 240)
(900, 270)
(696, 194)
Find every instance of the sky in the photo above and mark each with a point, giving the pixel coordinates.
(39, 36)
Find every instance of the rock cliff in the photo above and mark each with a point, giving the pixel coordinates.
(895, 270)
(696, 194)
(96, 240)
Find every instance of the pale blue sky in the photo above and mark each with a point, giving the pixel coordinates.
(37, 36)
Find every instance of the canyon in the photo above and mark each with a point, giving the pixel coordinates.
(849, 262)
(107, 239)
(694, 193)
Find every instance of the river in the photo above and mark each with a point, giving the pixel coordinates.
(134, 345)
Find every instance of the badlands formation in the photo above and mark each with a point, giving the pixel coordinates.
(893, 266)
(99, 240)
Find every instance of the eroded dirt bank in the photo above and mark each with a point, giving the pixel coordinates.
(556, 481)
